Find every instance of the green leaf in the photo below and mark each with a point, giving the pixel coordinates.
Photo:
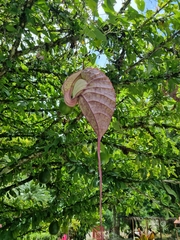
(24, 67)
(170, 190)
(93, 5)
(140, 4)
(108, 6)
(133, 98)
(93, 58)
(84, 50)
(99, 35)
(11, 28)
(32, 29)
(150, 67)
(95, 33)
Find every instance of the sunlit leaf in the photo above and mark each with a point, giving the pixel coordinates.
(140, 4)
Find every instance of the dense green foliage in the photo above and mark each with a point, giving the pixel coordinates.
(48, 160)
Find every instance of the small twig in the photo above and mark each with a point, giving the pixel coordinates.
(152, 52)
(157, 11)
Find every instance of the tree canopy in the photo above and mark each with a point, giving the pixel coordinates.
(48, 159)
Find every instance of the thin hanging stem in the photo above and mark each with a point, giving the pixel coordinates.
(100, 185)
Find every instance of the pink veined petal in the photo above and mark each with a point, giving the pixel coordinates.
(97, 101)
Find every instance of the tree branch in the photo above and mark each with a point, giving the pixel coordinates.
(162, 44)
(124, 6)
(157, 11)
